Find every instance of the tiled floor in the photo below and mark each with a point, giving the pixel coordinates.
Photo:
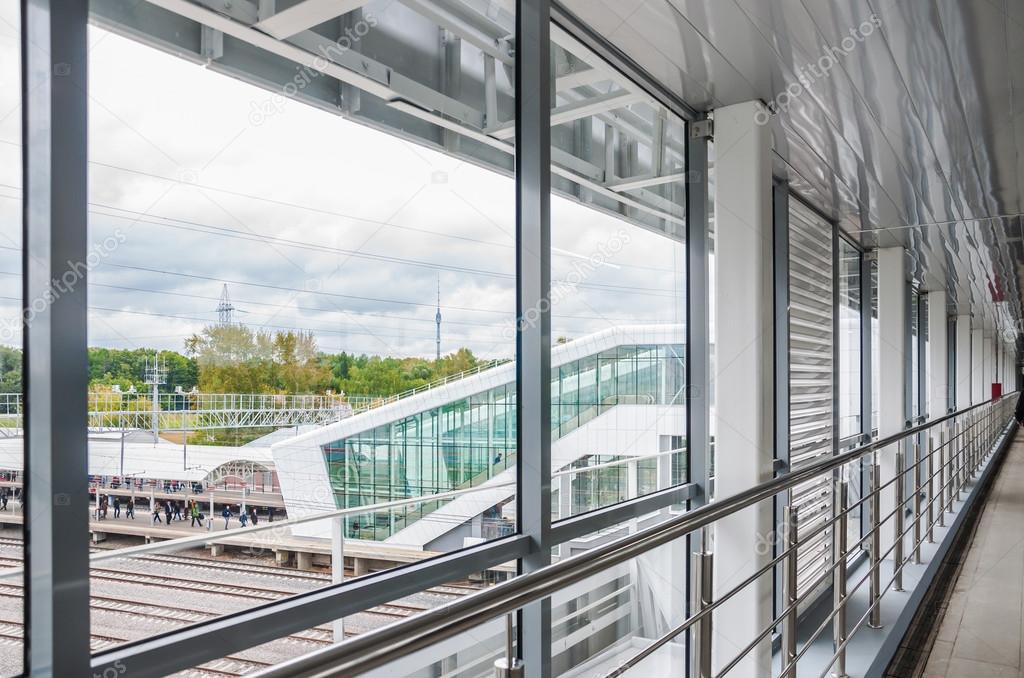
(980, 635)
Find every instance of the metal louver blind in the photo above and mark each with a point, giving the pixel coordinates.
(811, 377)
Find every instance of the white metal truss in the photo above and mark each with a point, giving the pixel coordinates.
(111, 411)
(639, 187)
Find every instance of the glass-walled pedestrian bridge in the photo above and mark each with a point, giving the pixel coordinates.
(617, 403)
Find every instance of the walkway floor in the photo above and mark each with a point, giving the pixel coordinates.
(980, 634)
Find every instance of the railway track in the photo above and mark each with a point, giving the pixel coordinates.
(390, 610)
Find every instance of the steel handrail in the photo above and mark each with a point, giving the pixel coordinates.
(394, 641)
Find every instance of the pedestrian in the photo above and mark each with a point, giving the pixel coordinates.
(117, 507)
(3, 500)
(129, 508)
(254, 516)
(243, 518)
(167, 511)
(270, 514)
(156, 514)
(177, 510)
(226, 514)
(195, 514)
(103, 508)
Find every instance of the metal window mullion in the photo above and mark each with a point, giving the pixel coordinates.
(698, 339)
(54, 127)
(866, 385)
(533, 335)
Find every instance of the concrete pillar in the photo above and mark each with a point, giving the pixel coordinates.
(338, 568)
(989, 362)
(305, 560)
(963, 362)
(216, 550)
(564, 483)
(282, 557)
(360, 566)
(938, 364)
(892, 406)
(977, 361)
(743, 377)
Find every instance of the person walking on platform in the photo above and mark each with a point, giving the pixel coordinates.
(270, 514)
(195, 514)
(254, 516)
(117, 507)
(243, 518)
(129, 508)
(167, 511)
(177, 510)
(156, 514)
(3, 500)
(226, 515)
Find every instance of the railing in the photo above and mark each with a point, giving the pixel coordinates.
(114, 411)
(958, 445)
(361, 402)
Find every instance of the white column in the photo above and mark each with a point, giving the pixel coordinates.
(977, 360)
(892, 330)
(963, 362)
(988, 360)
(938, 364)
(338, 568)
(743, 377)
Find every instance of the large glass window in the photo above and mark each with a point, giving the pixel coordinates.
(12, 458)
(304, 302)
(617, 287)
(849, 340)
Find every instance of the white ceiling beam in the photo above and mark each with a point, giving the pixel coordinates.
(647, 181)
(584, 108)
(490, 45)
(305, 15)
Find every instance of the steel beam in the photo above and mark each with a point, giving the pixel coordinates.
(533, 335)
(305, 15)
(54, 130)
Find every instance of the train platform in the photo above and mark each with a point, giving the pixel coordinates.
(289, 549)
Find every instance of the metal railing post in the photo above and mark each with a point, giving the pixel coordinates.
(839, 581)
(916, 502)
(875, 548)
(789, 594)
(897, 546)
(509, 666)
(932, 480)
(959, 451)
(940, 481)
(703, 592)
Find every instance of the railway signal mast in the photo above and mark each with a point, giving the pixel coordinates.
(155, 376)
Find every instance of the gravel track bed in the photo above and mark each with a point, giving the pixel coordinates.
(147, 595)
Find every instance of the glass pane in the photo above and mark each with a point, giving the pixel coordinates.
(12, 460)
(304, 301)
(849, 339)
(617, 287)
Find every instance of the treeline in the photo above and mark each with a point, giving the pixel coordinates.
(237, 359)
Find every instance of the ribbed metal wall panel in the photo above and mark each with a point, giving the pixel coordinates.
(811, 377)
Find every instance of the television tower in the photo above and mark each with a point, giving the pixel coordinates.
(225, 309)
(437, 318)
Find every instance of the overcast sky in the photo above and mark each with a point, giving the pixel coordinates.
(314, 222)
